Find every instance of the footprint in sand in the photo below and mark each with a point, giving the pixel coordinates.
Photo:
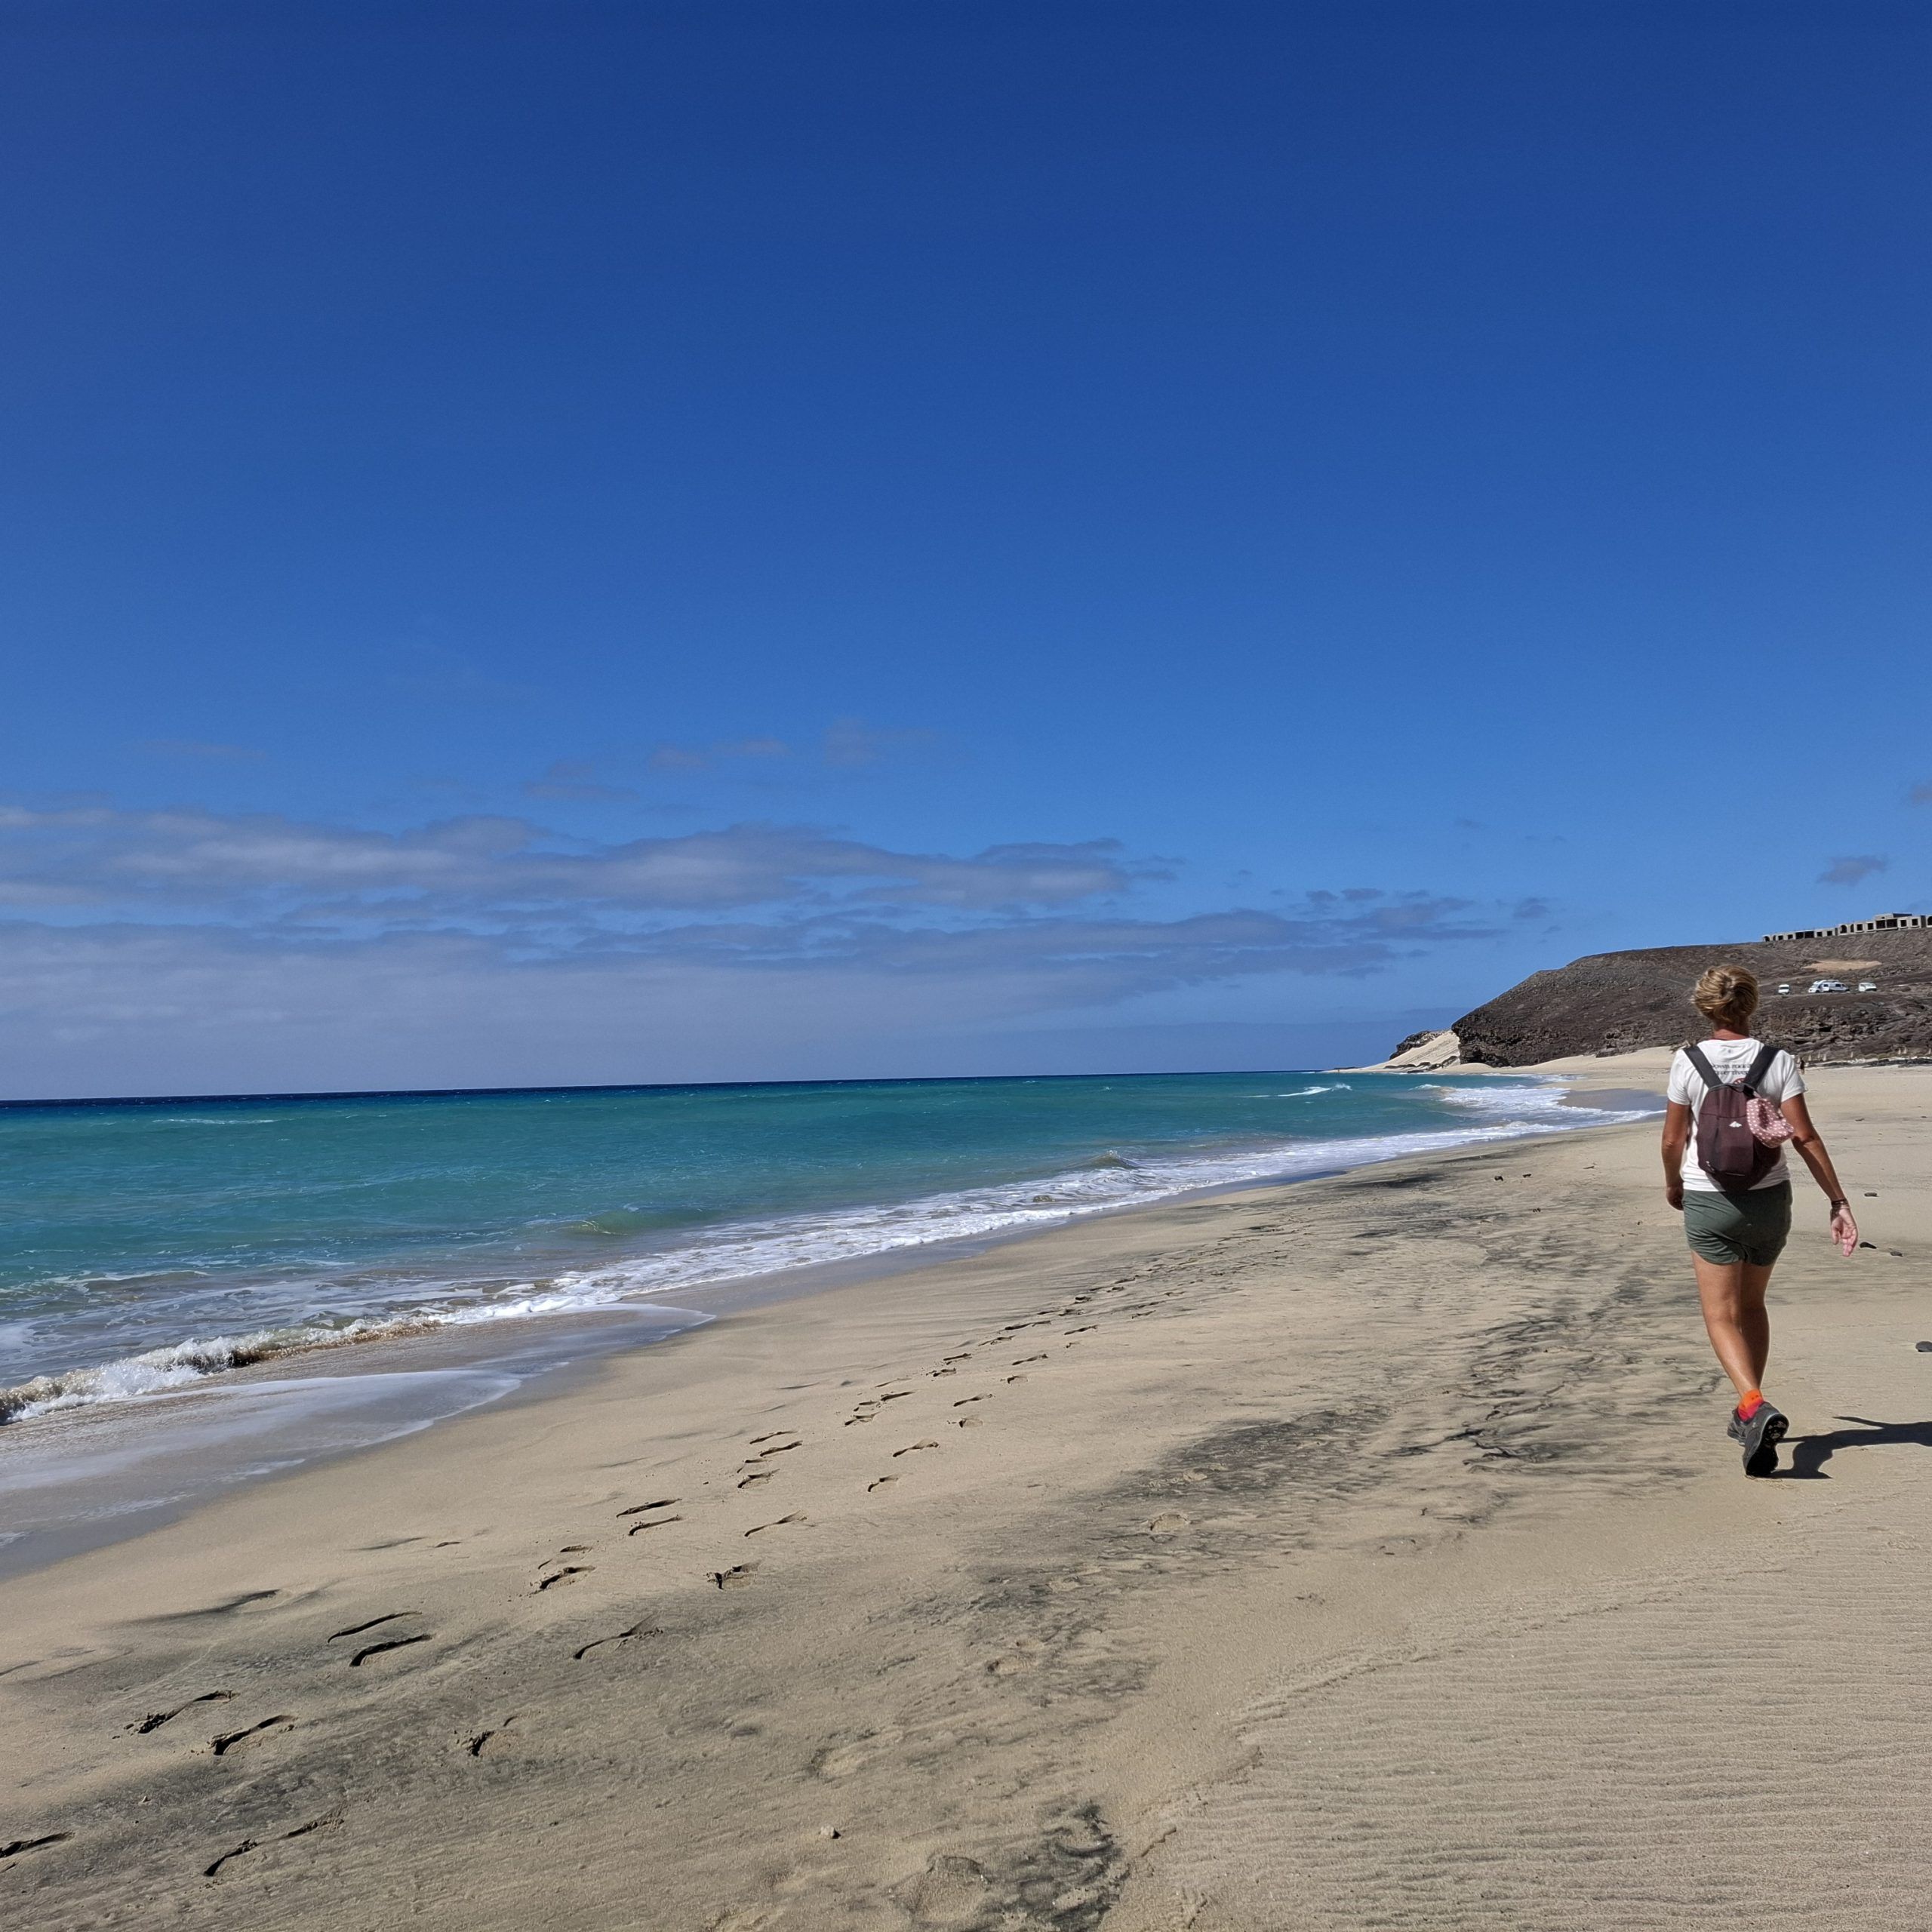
(657, 1522)
(563, 1576)
(964, 1399)
(155, 1719)
(369, 1650)
(969, 1421)
(19, 1845)
(840, 1760)
(879, 1482)
(911, 1446)
(247, 1600)
(274, 1837)
(249, 1734)
(735, 1578)
(1166, 1523)
(374, 1622)
(797, 1516)
(645, 1508)
(950, 1891)
(482, 1742)
(1028, 1654)
(636, 1631)
(757, 1475)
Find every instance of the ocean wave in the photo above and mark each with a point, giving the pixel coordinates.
(158, 1371)
(764, 1247)
(1540, 1100)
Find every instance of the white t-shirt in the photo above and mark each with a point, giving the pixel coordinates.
(1730, 1060)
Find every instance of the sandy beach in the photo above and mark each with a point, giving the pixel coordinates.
(1365, 1551)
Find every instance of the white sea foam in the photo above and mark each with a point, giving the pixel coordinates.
(1506, 1111)
(1543, 1100)
(160, 1370)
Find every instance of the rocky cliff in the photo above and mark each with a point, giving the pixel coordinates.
(1614, 1002)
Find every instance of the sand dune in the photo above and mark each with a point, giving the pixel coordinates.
(1367, 1552)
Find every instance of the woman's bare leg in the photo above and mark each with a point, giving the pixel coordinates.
(1733, 1295)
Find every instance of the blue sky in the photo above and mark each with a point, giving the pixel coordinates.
(579, 542)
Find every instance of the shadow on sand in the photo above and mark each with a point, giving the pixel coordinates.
(1809, 1453)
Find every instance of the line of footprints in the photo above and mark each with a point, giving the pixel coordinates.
(359, 1644)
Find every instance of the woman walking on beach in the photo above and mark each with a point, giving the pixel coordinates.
(1733, 1189)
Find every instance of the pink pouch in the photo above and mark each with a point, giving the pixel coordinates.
(1768, 1127)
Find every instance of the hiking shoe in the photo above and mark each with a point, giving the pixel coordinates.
(1759, 1439)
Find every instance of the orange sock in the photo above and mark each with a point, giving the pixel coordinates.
(1750, 1403)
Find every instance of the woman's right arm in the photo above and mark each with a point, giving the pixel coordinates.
(1676, 1138)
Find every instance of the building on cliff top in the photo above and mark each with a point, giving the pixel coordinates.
(1884, 922)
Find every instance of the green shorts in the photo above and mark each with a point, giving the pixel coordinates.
(1726, 1228)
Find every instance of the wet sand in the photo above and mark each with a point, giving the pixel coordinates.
(1366, 1551)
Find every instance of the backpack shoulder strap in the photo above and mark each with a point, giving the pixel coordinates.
(1706, 1071)
(1761, 1067)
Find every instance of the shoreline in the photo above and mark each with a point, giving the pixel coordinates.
(147, 1441)
(1254, 1561)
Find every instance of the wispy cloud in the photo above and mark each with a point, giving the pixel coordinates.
(850, 744)
(669, 757)
(1852, 870)
(496, 869)
(118, 1007)
(574, 781)
(847, 744)
(202, 751)
(171, 940)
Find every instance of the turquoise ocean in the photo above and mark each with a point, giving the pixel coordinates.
(145, 1246)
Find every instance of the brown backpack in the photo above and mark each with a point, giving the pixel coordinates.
(1727, 1150)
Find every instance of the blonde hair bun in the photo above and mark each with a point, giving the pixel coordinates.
(1727, 996)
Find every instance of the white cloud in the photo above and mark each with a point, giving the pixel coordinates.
(190, 951)
(493, 868)
(129, 1009)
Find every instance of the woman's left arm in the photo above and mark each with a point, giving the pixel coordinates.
(1809, 1142)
